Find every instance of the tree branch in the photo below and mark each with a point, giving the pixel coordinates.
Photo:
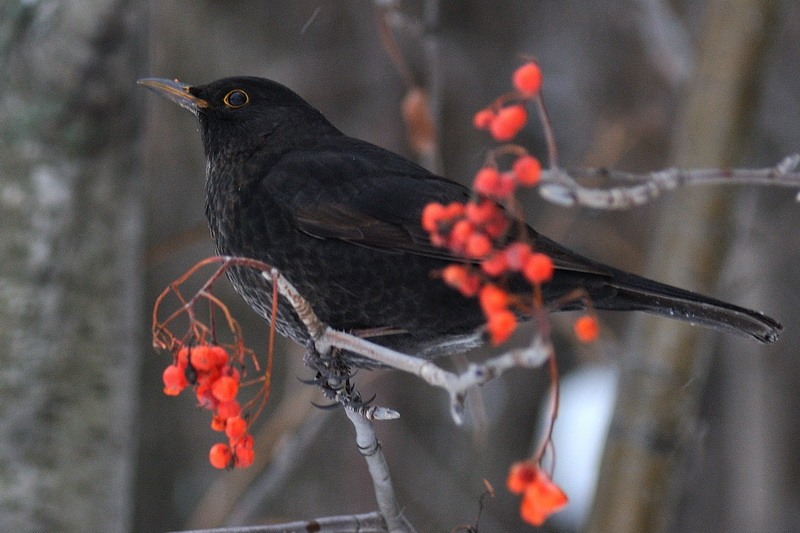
(370, 448)
(561, 187)
(363, 523)
(456, 385)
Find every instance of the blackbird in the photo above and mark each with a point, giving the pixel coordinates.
(340, 218)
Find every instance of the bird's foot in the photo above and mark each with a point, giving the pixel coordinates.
(333, 377)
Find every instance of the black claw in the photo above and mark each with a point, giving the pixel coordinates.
(315, 381)
(328, 407)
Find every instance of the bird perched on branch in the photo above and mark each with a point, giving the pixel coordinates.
(340, 219)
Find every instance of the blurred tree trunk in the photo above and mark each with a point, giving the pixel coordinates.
(664, 375)
(70, 313)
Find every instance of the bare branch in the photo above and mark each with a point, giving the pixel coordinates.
(363, 523)
(562, 187)
(370, 448)
(456, 385)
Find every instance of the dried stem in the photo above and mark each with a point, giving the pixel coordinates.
(549, 134)
(390, 46)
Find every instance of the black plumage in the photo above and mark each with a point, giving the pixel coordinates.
(340, 218)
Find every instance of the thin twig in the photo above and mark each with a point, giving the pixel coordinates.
(390, 46)
(549, 134)
(363, 523)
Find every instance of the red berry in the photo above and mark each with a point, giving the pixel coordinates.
(431, 216)
(483, 119)
(497, 225)
(182, 357)
(220, 455)
(495, 265)
(527, 79)
(492, 299)
(201, 358)
(217, 423)
(508, 123)
(587, 329)
(520, 476)
(174, 380)
(218, 356)
(225, 388)
(528, 170)
(247, 441)
(478, 245)
(453, 210)
(487, 181)
(207, 376)
(454, 275)
(226, 410)
(538, 268)
(204, 396)
(438, 240)
(470, 286)
(500, 326)
(506, 186)
(541, 499)
(458, 277)
(235, 428)
(460, 234)
(244, 456)
(481, 212)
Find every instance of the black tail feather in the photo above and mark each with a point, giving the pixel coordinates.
(634, 293)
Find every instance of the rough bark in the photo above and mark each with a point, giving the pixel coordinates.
(70, 313)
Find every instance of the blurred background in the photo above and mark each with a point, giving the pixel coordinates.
(101, 206)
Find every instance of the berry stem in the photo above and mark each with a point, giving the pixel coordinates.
(549, 135)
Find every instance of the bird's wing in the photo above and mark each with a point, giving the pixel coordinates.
(371, 197)
(363, 195)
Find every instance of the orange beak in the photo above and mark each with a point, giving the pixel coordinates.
(176, 91)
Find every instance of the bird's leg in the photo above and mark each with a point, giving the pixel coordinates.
(333, 376)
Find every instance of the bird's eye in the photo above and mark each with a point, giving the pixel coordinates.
(236, 98)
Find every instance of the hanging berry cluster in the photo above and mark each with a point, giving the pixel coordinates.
(540, 496)
(478, 230)
(482, 232)
(209, 369)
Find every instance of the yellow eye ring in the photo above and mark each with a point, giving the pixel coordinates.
(236, 99)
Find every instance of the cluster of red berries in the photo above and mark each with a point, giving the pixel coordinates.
(475, 231)
(208, 368)
(504, 121)
(478, 229)
(541, 497)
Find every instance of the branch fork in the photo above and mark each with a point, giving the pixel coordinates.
(326, 338)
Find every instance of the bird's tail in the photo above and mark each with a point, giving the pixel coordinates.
(635, 293)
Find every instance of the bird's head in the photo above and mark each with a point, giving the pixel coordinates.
(240, 111)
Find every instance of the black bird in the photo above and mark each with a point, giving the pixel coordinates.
(340, 218)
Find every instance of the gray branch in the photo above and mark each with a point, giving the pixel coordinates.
(563, 188)
(363, 523)
(456, 385)
(370, 448)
